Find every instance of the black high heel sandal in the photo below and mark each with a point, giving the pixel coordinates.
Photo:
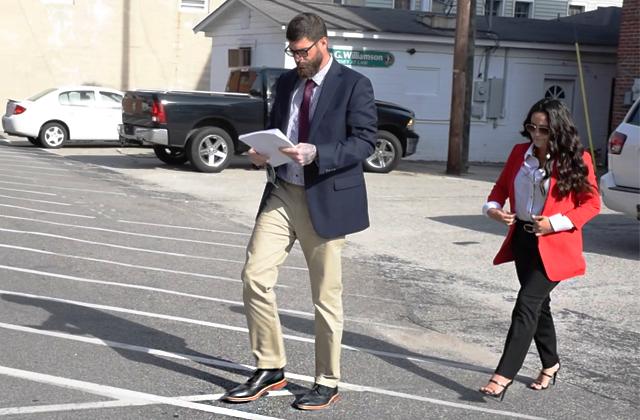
(500, 394)
(552, 381)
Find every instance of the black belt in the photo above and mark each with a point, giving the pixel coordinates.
(526, 226)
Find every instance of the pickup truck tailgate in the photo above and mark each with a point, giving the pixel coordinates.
(137, 108)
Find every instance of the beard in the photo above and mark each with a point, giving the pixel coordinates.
(308, 69)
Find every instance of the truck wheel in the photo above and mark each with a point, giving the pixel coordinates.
(386, 155)
(53, 135)
(210, 149)
(170, 155)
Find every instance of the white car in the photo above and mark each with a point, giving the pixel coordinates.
(55, 116)
(620, 186)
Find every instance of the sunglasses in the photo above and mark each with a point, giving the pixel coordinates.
(302, 52)
(542, 129)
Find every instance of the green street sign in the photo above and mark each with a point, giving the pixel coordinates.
(363, 58)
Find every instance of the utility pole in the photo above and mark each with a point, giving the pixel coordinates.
(458, 94)
(469, 86)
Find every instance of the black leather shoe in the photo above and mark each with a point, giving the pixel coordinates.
(318, 398)
(262, 381)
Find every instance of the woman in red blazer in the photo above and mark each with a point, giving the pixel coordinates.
(552, 192)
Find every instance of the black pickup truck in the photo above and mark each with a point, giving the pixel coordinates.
(203, 127)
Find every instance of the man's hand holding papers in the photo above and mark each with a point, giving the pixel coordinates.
(266, 145)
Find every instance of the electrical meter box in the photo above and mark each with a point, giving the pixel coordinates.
(490, 91)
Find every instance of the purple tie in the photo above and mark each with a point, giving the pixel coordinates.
(303, 117)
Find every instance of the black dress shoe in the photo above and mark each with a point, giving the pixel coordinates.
(262, 381)
(318, 398)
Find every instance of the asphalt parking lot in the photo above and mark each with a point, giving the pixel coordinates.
(120, 297)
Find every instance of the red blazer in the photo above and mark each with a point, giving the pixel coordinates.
(561, 252)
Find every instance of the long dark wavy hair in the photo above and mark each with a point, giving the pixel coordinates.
(565, 148)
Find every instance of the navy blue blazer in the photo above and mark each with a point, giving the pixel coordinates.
(343, 129)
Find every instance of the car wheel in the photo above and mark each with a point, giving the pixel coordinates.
(386, 155)
(210, 149)
(53, 135)
(170, 155)
(35, 141)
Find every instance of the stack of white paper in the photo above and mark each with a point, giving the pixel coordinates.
(268, 143)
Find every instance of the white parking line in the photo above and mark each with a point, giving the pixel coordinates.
(130, 248)
(34, 200)
(184, 227)
(189, 295)
(289, 375)
(28, 191)
(48, 212)
(48, 168)
(121, 393)
(123, 232)
(227, 327)
(116, 404)
(142, 267)
(29, 175)
(97, 191)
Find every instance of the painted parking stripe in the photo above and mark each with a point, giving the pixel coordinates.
(28, 191)
(47, 168)
(34, 200)
(184, 227)
(142, 267)
(189, 295)
(121, 393)
(97, 191)
(48, 212)
(227, 327)
(130, 248)
(249, 368)
(29, 175)
(123, 232)
(34, 409)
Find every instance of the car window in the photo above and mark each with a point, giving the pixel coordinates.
(77, 98)
(40, 95)
(634, 118)
(111, 99)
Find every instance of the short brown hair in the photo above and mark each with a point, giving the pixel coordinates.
(306, 25)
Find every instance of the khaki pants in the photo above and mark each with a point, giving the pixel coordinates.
(285, 219)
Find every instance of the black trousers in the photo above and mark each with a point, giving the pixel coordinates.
(531, 318)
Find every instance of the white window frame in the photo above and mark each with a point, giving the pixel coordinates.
(531, 8)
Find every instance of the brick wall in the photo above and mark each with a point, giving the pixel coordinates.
(628, 58)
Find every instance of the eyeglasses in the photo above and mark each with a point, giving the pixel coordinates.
(542, 129)
(302, 52)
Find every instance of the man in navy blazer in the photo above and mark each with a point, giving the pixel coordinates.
(328, 111)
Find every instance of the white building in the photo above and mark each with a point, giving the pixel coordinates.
(535, 9)
(517, 62)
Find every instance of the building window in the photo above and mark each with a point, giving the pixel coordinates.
(240, 57)
(522, 9)
(402, 4)
(442, 6)
(193, 5)
(575, 9)
(492, 7)
(555, 92)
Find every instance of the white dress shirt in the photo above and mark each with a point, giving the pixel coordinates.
(530, 197)
(293, 172)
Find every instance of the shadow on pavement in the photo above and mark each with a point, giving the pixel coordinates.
(607, 234)
(83, 321)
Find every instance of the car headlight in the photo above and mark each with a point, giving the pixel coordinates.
(410, 124)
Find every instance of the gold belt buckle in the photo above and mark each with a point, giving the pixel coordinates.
(528, 227)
